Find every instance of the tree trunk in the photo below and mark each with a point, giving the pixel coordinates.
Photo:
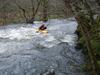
(45, 5)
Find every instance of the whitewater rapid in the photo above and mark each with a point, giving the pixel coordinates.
(25, 52)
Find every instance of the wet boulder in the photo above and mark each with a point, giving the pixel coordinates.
(50, 72)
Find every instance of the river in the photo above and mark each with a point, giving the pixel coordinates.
(25, 52)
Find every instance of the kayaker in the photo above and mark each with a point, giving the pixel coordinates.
(42, 27)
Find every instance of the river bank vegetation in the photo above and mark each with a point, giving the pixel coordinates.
(88, 19)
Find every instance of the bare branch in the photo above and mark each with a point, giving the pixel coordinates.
(23, 10)
(33, 8)
(39, 2)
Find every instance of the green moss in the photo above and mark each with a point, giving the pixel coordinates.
(98, 62)
(96, 45)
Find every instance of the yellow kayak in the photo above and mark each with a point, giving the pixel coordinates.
(42, 31)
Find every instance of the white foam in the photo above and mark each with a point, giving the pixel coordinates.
(58, 32)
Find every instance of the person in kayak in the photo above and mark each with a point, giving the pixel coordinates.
(42, 27)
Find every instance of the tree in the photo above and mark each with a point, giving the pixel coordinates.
(4, 11)
(84, 15)
(34, 10)
(45, 11)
